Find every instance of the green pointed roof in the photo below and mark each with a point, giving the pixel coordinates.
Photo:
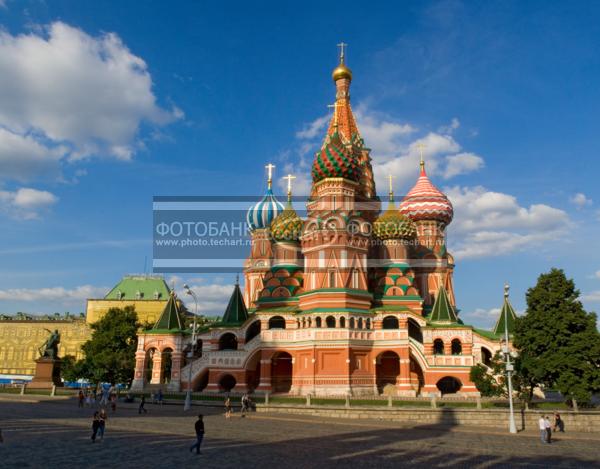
(442, 310)
(171, 318)
(139, 287)
(236, 312)
(507, 316)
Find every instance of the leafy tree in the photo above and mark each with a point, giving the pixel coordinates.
(489, 380)
(110, 352)
(558, 342)
(70, 369)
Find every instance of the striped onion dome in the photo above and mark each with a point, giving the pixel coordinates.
(262, 213)
(287, 226)
(393, 225)
(335, 160)
(426, 202)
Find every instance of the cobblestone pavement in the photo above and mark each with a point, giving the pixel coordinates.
(55, 433)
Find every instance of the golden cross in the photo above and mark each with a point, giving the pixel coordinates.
(289, 178)
(270, 168)
(341, 45)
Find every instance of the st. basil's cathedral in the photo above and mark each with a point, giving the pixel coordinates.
(348, 300)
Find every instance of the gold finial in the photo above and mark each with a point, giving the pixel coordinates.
(506, 288)
(289, 178)
(341, 71)
(390, 177)
(421, 146)
(270, 168)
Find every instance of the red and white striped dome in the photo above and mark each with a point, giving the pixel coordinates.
(426, 202)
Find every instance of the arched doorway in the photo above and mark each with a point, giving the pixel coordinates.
(281, 372)
(227, 383)
(387, 369)
(449, 385)
(252, 367)
(276, 322)
(167, 365)
(252, 331)
(228, 341)
(414, 330)
(330, 321)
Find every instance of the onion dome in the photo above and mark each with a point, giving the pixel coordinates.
(341, 71)
(335, 160)
(392, 224)
(262, 213)
(426, 202)
(287, 226)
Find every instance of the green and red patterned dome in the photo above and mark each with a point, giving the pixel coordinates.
(393, 225)
(287, 226)
(335, 160)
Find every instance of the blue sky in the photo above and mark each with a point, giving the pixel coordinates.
(105, 104)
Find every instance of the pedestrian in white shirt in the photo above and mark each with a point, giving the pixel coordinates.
(542, 426)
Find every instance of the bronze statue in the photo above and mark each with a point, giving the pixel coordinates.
(50, 347)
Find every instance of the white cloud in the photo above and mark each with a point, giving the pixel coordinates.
(450, 128)
(580, 200)
(488, 223)
(313, 129)
(212, 298)
(66, 94)
(462, 163)
(592, 297)
(597, 274)
(26, 203)
(54, 294)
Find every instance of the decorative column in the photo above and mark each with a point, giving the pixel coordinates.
(156, 368)
(175, 384)
(264, 384)
(140, 366)
(403, 381)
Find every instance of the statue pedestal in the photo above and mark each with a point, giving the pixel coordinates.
(47, 374)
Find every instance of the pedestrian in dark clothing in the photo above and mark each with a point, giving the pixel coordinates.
(95, 425)
(559, 424)
(102, 417)
(142, 404)
(199, 426)
(80, 399)
(159, 396)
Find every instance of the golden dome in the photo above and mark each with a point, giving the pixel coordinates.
(341, 71)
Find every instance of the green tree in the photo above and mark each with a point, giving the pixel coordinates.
(110, 352)
(558, 341)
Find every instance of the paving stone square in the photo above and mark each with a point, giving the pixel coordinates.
(55, 433)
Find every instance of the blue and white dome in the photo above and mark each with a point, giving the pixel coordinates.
(262, 214)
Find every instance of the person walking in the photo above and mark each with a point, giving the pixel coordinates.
(227, 408)
(199, 427)
(95, 425)
(142, 404)
(88, 399)
(104, 400)
(548, 426)
(102, 417)
(159, 396)
(542, 427)
(80, 399)
(113, 402)
(244, 405)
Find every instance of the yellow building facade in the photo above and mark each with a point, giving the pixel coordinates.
(22, 335)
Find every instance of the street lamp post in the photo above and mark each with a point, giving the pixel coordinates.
(512, 428)
(188, 395)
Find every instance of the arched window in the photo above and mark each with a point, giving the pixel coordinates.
(318, 322)
(342, 322)
(486, 356)
(332, 279)
(391, 322)
(438, 347)
(360, 323)
(352, 323)
(276, 322)
(456, 347)
(330, 321)
(228, 341)
(309, 322)
(368, 323)
(303, 323)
